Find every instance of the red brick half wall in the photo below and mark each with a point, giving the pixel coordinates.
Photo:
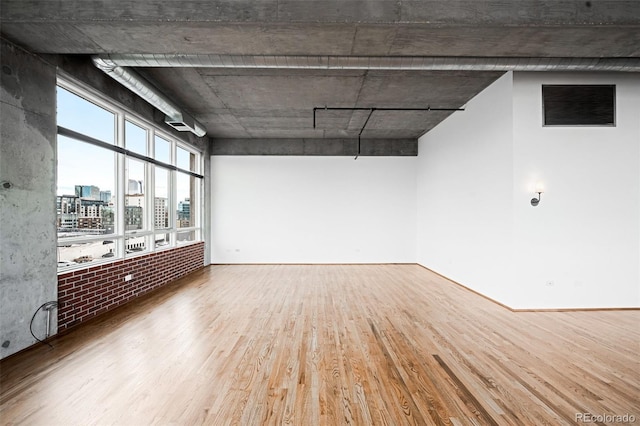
(85, 293)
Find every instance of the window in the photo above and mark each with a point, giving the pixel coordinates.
(162, 150)
(135, 138)
(124, 187)
(96, 122)
(579, 105)
(184, 160)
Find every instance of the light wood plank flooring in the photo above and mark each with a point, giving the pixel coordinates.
(327, 345)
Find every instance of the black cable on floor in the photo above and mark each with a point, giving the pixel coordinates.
(34, 317)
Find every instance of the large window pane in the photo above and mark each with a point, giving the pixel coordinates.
(161, 199)
(78, 114)
(184, 190)
(185, 237)
(163, 240)
(86, 182)
(185, 160)
(135, 138)
(84, 252)
(163, 150)
(134, 200)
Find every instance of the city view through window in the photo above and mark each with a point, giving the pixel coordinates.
(112, 204)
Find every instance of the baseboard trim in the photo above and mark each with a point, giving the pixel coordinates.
(310, 264)
(528, 309)
(468, 288)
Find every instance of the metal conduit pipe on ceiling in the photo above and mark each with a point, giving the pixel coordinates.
(416, 63)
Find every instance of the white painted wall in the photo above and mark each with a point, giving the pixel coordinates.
(272, 209)
(580, 248)
(465, 194)
(462, 206)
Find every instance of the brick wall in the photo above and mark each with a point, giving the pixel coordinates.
(85, 293)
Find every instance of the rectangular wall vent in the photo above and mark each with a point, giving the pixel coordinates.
(579, 105)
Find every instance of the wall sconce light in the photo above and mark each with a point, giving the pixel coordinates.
(539, 189)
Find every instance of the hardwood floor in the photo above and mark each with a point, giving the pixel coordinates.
(327, 345)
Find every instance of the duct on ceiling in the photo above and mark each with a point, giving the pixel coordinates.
(426, 63)
(174, 115)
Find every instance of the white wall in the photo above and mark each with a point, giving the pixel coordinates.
(272, 209)
(580, 247)
(462, 206)
(465, 191)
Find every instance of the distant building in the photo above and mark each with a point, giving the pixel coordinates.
(133, 218)
(135, 187)
(136, 200)
(90, 223)
(91, 207)
(161, 213)
(105, 196)
(133, 212)
(184, 213)
(88, 191)
(80, 214)
(67, 208)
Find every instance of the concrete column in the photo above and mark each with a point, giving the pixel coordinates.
(27, 196)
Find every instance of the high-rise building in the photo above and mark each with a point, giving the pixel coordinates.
(105, 196)
(184, 213)
(134, 187)
(133, 218)
(160, 213)
(134, 200)
(133, 211)
(90, 208)
(68, 207)
(184, 208)
(88, 191)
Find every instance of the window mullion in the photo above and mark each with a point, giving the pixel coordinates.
(172, 205)
(120, 186)
(150, 203)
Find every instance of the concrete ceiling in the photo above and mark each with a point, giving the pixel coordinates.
(276, 103)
